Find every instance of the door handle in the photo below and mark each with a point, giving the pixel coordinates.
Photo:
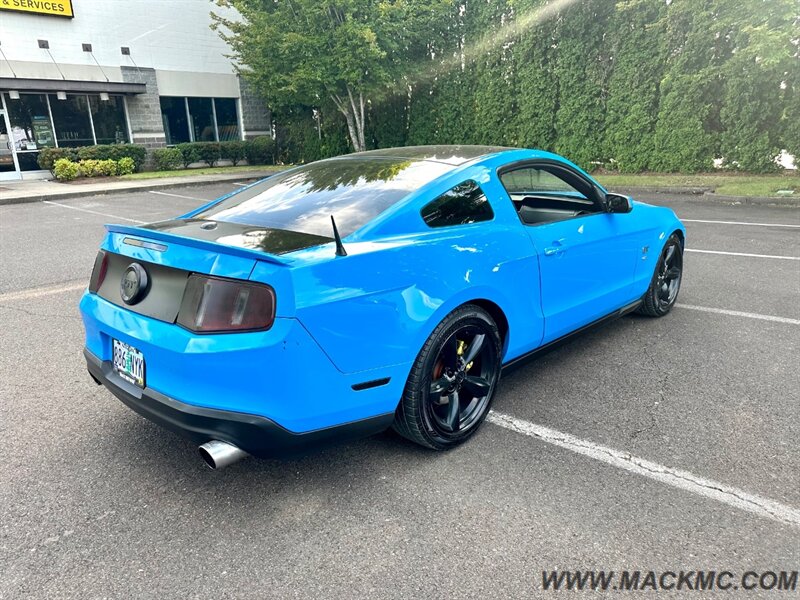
(556, 249)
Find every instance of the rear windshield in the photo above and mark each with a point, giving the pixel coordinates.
(353, 190)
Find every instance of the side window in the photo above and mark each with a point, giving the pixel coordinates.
(547, 193)
(463, 204)
(530, 181)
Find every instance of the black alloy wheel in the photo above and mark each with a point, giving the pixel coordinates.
(452, 383)
(666, 283)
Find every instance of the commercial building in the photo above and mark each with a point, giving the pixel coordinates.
(83, 72)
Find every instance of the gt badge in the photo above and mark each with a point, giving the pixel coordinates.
(133, 286)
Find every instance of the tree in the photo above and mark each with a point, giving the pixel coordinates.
(536, 85)
(757, 82)
(638, 57)
(581, 71)
(319, 53)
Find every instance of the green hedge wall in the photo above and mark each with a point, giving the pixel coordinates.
(639, 85)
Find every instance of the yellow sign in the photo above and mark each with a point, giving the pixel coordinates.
(58, 8)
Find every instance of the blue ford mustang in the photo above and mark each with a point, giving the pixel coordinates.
(378, 289)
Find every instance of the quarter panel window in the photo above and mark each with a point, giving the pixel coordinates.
(461, 205)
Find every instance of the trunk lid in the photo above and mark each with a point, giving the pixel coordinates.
(171, 251)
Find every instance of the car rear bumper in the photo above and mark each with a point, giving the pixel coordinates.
(255, 434)
(281, 374)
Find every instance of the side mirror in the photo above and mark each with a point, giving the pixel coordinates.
(617, 203)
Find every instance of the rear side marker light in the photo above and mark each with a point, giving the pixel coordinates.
(217, 305)
(99, 271)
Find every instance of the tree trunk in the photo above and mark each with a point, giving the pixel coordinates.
(354, 115)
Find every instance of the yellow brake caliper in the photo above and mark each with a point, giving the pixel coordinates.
(462, 347)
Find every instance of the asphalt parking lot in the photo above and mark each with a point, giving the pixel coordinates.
(96, 502)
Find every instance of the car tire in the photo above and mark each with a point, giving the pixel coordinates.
(453, 380)
(666, 283)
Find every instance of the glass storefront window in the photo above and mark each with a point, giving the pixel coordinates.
(71, 121)
(31, 129)
(227, 119)
(109, 120)
(30, 122)
(6, 155)
(173, 114)
(200, 126)
(202, 119)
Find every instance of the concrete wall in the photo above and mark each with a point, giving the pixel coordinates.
(170, 35)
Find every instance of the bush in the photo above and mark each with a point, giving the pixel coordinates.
(98, 168)
(125, 166)
(48, 157)
(234, 151)
(259, 150)
(167, 159)
(114, 152)
(209, 152)
(65, 170)
(189, 153)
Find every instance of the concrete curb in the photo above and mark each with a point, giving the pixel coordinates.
(137, 185)
(708, 195)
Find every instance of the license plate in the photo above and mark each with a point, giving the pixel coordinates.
(128, 363)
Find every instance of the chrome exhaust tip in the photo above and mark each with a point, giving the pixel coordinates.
(218, 454)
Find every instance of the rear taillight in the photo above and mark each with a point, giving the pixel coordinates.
(212, 304)
(99, 271)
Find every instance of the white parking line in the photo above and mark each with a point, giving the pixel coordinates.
(47, 290)
(737, 313)
(683, 480)
(743, 254)
(178, 196)
(94, 212)
(740, 223)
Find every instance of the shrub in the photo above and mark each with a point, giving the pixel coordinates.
(48, 157)
(137, 153)
(125, 166)
(93, 152)
(209, 152)
(167, 159)
(234, 151)
(98, 168)
(108, 167)
(65, 169)
(259, 150)
(88, 167)
(114, 152)
(189, 153)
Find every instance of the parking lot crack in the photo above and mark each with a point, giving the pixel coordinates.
(39, 314)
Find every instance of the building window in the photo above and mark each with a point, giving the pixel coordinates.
(108, 116)
(201, 116)
(30, 122)
(199, 119)
(175, 118)
(31, 129)
(71, 125)
(71, 121)
(227, 119)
